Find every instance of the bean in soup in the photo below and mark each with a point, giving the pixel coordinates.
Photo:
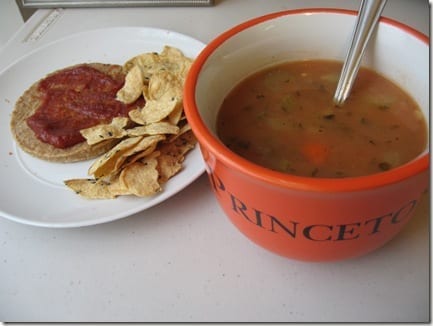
(284, 118)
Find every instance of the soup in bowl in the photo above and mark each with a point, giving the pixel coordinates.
(311, 215)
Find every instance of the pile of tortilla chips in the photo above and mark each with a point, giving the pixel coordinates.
(153, 140)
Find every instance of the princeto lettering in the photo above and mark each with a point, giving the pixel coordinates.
(313, 232)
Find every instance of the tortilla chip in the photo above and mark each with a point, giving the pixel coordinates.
(157, 128)
(106, 164)
(163, 83)
(155, 111)
(183, 130)
(173, 154)
(135, 116)
(141, 178)
(176, 115)
(146, 154)
(97, 188)
(170, 59)
(148, 63)
(144, 147)
(163, 96)
(168, 166)
(133, 87)
(101, 132)
(179, 63)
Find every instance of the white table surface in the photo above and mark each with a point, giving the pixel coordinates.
(183, 261)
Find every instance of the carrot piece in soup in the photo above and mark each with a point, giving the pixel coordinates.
(317, 153)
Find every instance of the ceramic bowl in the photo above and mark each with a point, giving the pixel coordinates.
(304, 218)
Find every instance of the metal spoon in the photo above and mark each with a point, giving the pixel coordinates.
(368, 17)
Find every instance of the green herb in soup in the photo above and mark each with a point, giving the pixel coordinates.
(284, 118)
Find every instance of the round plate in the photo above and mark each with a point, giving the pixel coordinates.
(32, 190)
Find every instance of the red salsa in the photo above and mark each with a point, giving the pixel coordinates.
(75, 99)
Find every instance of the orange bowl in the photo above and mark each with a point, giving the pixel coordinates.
(312, 219)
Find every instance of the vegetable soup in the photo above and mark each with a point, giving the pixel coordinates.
(284, 118)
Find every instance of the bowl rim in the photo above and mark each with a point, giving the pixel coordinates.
(210, 143)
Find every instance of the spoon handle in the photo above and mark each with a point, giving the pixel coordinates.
(368, 17)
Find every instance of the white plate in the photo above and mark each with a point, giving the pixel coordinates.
(32, 190)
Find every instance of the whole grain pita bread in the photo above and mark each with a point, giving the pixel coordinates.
(26, 139)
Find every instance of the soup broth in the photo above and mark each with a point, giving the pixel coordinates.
(284, 118)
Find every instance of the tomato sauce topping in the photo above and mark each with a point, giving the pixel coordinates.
(75, 99)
